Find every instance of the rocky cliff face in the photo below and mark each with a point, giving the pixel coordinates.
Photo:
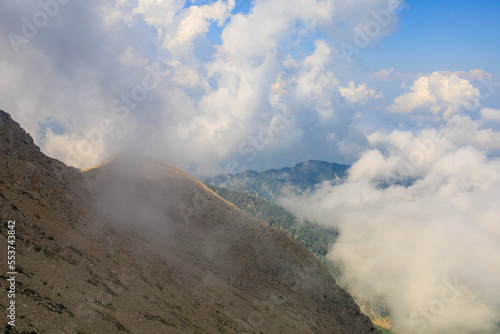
(136, 245)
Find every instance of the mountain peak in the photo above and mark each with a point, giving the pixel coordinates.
(25, 170)
(13, 139)
(273, 183)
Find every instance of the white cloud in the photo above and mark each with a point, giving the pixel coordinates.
(186, 77)
(315, 82)
(360, 94)
(464, 131)
(216, 96)
(331, 136)
(158, 12)
(490, 114)
(193, 21)
(372, 165)
(400, 155)
(387, 75)
(405, 246)
(72, 149)
(439, 94)
(251, 36)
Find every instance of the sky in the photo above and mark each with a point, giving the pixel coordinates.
(435, 35)
(402, 91)
(231, 74)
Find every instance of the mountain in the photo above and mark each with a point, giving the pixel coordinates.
(136, 245)
(314, 237)
(271, 184)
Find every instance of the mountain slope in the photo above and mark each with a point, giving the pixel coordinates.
(314, 237)
(136, 245)
(271, 184)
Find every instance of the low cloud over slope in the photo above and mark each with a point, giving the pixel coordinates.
(419, 225)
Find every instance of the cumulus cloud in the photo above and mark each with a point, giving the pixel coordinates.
(249, 37)
(490, 114)
(91, 62)
(315, 82)
(72, 148)
(440, 94)
(186, 77)
(192, 22)
(406, 155)
(428, 249)
(360, 94)
(465, 131)
(158, 12)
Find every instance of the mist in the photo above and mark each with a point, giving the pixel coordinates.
(418, 217)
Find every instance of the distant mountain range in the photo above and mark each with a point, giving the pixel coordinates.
(273, 183)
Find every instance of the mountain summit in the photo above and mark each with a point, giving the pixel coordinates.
(136, 245)
(271, 184)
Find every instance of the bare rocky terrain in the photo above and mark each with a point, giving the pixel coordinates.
(136, 245)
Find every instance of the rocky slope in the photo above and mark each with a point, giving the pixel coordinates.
(136, 245)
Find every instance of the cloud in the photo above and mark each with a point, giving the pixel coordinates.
(186, 77)
(251, 36)
(388, 75)
(360, 94)
(72, 148)
(465, 131)
(477, 74)
(194, 21)
(405, 154)
(439, 94)
(429, 249)
(158, 12)
(314, 82)
(89, 62)
(490, 114)
(405, 245)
